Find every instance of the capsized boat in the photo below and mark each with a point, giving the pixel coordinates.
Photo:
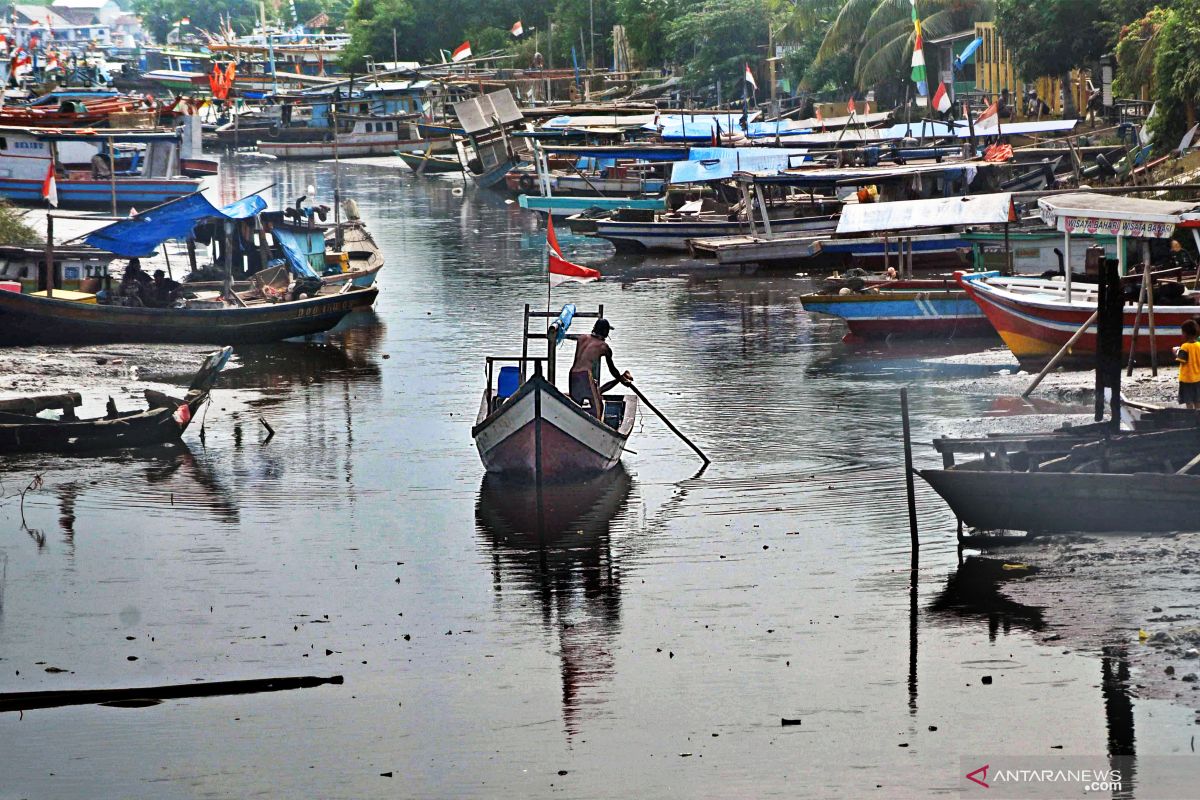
(422, 162)
(528, 429)
(24, 430)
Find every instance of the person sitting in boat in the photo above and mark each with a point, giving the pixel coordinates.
(136, 286)
(589, 349)
(162, 291)
(101, 167)
(1179, 258)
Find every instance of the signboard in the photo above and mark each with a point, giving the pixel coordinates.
(1090, 226)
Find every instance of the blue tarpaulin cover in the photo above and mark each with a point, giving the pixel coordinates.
(719, 163)
(140, 236)
(299, 249)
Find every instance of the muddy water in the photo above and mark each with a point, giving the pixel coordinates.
(647, 644)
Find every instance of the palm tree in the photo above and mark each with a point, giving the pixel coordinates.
(881, 32)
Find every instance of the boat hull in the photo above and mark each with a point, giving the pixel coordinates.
(675, 235)
(1035, 327)
(357, 148)
(417, 162)
(1044, 502)
(903, 314)
(29, 320)
(541, 429)
(567, 206)
(98, 193)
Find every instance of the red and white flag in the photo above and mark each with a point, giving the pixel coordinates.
(850, 105)
(990, 118)
(867, 108)
(562, 270)
(750, 78)
(461, 52)
(941, 99)
(21, 65)
(50, 186)
(517, 30)
(820, 118)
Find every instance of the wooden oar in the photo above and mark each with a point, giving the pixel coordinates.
(668, 423)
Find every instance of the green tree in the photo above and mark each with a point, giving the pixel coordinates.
(1136, 47)
(1177, 72)
(13, 229)
(879, 33)
(1052, 37)
(160, 16)
(716, 38)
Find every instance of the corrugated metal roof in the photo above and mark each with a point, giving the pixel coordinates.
(982, 209)
(719, 163)
(1091, 205)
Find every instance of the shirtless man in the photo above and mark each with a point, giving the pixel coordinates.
(589, 349)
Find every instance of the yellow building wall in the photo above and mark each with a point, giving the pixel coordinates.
(994, 71)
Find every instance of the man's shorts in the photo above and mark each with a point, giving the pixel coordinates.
(1189, 393)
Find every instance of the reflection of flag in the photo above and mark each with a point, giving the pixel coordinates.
(941, 100)
(562, 270)
(461, 52)
(750, 78)
(517, 30)
(918, 56)
(50, 186)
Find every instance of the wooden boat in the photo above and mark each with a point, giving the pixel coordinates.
(487, 151)
(673, 230)
(22, 431)
(1035, 318)
(915, 308)
(1072, 482)
(529, 430)
(421, 162)
(571, 206)
(34, 320)
(152, 176)
(367, 136)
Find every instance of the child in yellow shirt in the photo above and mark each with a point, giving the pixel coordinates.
(1188, 356)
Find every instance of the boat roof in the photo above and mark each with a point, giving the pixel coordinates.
(643, 152)
(927, 129)
(141, 234)
(718, 163)
(827, 176)
(1093, 213)
(980, 209)
(90, 134)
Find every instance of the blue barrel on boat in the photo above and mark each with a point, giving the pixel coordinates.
(508, 383)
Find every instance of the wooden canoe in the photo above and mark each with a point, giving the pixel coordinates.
(540, 429)
(164, 422)
(31, 320)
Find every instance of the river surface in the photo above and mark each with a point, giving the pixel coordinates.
(649, 643)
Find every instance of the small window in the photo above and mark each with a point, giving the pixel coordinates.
(389, 126)
(3, 143)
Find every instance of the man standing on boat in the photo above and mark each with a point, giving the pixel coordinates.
(589, 349)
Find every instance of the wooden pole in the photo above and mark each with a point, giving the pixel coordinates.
(112, 174)
(668, 423)
(1149, 282)
(908, 475)
(49, 255)
(1137, 324)
(1062, 352)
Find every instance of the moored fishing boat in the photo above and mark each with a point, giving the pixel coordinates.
(915, 308)
(1038, 317)
(367, 136)
(422, 162)
(86, 173)
(528, 429)
(286, 295)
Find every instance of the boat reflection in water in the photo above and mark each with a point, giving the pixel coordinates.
(560, 552)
